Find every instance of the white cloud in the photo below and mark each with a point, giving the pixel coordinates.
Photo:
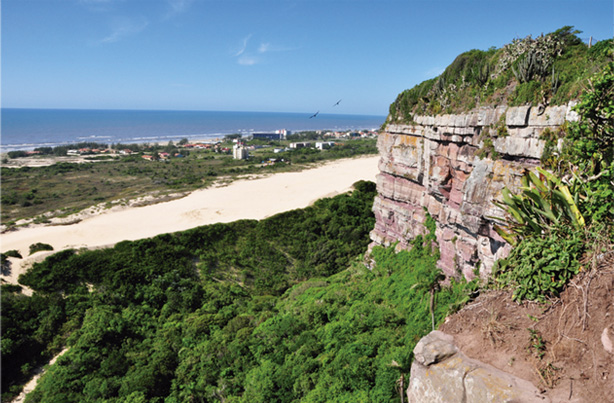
(268, 47)
(247, 60)
(124, 27)
(248, 56)
(264, 47)
(245, 57)
(244, 47)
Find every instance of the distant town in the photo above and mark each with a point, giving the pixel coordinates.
(239, 146)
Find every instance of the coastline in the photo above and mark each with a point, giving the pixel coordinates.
(243, 199)
(29, 128)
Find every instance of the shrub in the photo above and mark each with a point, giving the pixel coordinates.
(39, 246)
(17, 154)
(13, 253)
(539, 267)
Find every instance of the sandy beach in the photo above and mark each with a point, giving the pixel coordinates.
(243, 199)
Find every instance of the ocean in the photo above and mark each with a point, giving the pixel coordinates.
(26, 129)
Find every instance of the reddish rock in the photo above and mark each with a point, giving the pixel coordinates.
(433, 165)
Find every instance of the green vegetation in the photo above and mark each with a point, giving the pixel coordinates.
(246, 258)
(540, 267)
(488, 149)
(284, 309)
(5, 265)
(65, 188)
(39, 246)
(550, 69)
(13, 253)
(277, 310)
(543, 206)
(558, 225)
(536, 346)
(343, 150)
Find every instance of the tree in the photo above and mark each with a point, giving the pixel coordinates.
(230, 137)
(170, 146)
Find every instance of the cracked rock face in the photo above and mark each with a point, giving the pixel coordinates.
(434, 164)
(440, 373)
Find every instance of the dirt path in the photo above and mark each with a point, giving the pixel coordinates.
(29, 387)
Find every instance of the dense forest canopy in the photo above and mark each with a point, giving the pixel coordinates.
(256, 311)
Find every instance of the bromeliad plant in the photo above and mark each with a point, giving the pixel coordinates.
(543, 205)
(545, 226)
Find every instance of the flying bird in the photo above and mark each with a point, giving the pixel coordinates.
(314, 115)
(337, 103)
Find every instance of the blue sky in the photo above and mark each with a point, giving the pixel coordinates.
(269, 55)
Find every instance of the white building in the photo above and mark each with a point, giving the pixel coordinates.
(321, 145)
(239, 152)
(283, 133)
(300, 145)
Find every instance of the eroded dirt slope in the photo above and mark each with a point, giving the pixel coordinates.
(564, 347)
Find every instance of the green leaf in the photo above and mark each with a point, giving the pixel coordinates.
(576, 215)
(509, 238)
(537, 182)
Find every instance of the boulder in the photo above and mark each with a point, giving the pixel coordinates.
(441, 373)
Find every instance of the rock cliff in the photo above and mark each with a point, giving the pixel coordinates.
(454, 166)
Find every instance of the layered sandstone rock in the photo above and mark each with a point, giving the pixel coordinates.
(433, 165)
(442, 374)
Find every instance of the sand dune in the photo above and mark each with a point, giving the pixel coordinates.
(244, 199)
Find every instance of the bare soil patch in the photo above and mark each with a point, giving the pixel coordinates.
(563, 347)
